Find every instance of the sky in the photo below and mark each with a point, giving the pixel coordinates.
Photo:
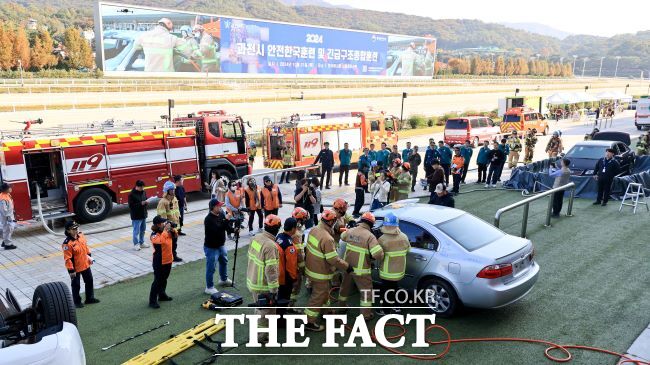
(596, 17)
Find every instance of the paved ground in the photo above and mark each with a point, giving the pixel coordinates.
(38, 258)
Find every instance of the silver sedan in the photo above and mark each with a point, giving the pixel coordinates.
(461, 258)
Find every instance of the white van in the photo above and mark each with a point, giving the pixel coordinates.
(642, 116)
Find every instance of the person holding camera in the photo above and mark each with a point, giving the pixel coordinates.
(168, 208)
(379, 190)
(78, 260)
(305, 197)
(215, 227)
(161, 238)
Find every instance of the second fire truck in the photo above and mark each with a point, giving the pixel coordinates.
(308, 132)
(85, 170)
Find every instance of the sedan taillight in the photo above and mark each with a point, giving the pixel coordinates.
(495, 271)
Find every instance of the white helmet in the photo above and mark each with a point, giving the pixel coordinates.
(198, 28)
(167, 23)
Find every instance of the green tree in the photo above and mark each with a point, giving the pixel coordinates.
(20, 51)
(500, 66)
(6, 48)
(77, 50)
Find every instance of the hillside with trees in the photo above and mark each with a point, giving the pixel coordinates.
(520, 47)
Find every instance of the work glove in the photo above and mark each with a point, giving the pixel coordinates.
(349, 269)
(73, 275)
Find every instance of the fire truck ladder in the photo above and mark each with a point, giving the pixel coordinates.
(94, 128)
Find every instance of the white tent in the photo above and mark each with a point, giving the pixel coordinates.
(562, 98)
(623, 97)
(607, 95)
(585, 97)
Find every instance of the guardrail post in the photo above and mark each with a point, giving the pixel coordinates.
(524, 221)
(569, 209)
(549, 209)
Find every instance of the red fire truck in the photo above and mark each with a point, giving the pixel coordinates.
(307, 133)
(85, 169)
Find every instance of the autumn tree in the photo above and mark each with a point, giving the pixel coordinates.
(477, 66)
(532, 66)
(500, 66)
(77, 49)
(510, 67)
(42, 48)
(6, 47)
(20, 51)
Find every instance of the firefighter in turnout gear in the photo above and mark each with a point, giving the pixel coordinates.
(340, 207)
(530, 142)
(514, 143)
(404, 182)
(395, 246)
(320, 264)
(262, 275)
(288, 157)
(168, 209)
(360, 248)
(7, 216)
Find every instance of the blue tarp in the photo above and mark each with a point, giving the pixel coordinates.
(524, 177)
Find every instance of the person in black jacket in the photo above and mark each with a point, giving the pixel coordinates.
(415, 160)
(216, 225)
(138, 210)
(496, 158)
(604, 172)
(182, 202)
(442, 197)
(326, 158)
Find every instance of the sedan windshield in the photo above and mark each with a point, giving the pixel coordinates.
(470, 232)
(587, 152)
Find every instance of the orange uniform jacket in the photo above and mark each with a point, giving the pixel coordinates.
(75, 254)
(459, 161)
(162, 246)
(271, 198)
(253, 200)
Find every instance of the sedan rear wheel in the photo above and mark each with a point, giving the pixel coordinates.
(441, 297)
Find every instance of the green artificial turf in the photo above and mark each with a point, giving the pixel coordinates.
(592, 290)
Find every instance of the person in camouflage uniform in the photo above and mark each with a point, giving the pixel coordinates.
(530, 142)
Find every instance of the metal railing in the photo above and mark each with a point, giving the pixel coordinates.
(526, 204)
(602, 122)
(275, 172)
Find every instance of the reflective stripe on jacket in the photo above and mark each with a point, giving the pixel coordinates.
(263, 262)
(168, 209)
(360, 247)
(321, 258)
(396, 246)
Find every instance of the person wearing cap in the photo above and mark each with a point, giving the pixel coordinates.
(291, 259)
(514, 145)
(404, 182)
(415, 160)
(138, 211)
(7, 216)
(321, 258)
(361, 248)
(392, 267)
(162, 234)
(159, 46)
(254, 205)
(606, 169)
(207, 48)
(457, 167)
(262, 273)
(179, 192)
(77, 257)
(326, 158)
(441, 196)
(271, 197)
(445, 159)
(168, 209)
(215, 227)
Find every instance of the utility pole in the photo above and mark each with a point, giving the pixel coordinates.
(584, 62)
(600, 70)
(20, 67)
(616, 69)
(574, 64)
(401, 114)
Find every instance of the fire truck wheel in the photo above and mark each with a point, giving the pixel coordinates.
(226, 173)
(93, 205)
(545, 132)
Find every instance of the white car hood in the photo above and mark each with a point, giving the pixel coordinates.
(61, 348)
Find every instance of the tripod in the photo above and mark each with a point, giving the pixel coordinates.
(237, 219)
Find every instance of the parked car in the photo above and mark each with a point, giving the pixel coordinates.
(45, 333)
(481, 267)
(584, 155)
(642, 115)
(475, 129)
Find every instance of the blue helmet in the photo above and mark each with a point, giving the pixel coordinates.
(391, 220)
(373, 163)
(168, 186)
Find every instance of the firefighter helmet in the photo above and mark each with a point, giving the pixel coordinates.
(198, 28)
(368, 218)
(328, 215)
(186, 32)
(391, 220)
(397, 161)
(340, 204)
(272, 220)
(167, 23)
(168, 186)
(300, 213)
(406, 165)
